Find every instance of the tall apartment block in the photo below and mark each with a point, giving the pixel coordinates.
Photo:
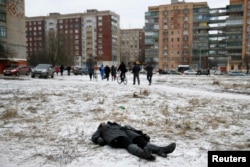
(199, 36)
(12, 33)
(176, 32)
(232, 40)
(92, 36)
(238, 35)
(132, 46)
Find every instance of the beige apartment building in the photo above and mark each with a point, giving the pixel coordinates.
(169, 33)
(12, 33)
(132, 46)
(193, 34)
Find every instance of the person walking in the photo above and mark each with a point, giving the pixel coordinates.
(91, 72)
(208, 72)
(113, 72)
(57, 70)
(133, 140)
(136, 71)
(68, 69)
(101, 69)
(122, 68)
(107, 71)
(61, 69)
(149, 69)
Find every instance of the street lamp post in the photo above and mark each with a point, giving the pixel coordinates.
(200, 59)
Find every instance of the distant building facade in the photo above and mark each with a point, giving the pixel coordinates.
(132, 46)
(170, 33)
(12, 33)
(93, 36)
(199, 36)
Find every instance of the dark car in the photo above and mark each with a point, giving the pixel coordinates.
(173, 72)
(80, 71)
(170, 72)
(17, 70)
(43, 71)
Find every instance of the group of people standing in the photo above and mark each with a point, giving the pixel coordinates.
(61, 69)
(136, 72)
(105, 72)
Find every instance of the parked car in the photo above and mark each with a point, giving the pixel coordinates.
(218, 72)
(236, 73)
(43, 71)
(190, 72)
(16, 70)
(202, 72)
(80, 71)
(163, 71)
(173, 72)
(170, 72)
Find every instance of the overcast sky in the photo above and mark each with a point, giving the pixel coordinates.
(131, 11)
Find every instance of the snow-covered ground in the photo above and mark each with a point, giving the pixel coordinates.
(49, 122)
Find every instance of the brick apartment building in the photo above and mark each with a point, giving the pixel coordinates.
(92, 36)
(12, 33)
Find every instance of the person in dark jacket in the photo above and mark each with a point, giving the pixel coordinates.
(68, 69)
(61, 69)
(134, 141)
(113, 72)
(107, 71)
(123, 70)
(136, 71)
(91, 72)
(149, 68)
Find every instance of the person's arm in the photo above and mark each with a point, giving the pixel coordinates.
(144, 135)
(97, 138)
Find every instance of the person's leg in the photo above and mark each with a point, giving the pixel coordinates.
(122, 76)
(134, 77)
(138, 79)
(122, 142)
(140, 141)
(161, 151)
(150, 79)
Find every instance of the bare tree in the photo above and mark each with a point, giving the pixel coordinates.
(57, 50)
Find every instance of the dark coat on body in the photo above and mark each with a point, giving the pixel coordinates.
(111, 131)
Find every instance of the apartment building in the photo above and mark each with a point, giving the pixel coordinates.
(199, 36)
(238, 35)
(132, 46)
(90, 37)
(12, 33)
(176, 32)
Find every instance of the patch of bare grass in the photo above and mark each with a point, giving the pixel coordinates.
(32, 109)
(216, 82)
(9, 114)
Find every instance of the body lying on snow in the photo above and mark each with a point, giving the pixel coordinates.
(134, 141)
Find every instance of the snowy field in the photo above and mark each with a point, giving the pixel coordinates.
(49, 122)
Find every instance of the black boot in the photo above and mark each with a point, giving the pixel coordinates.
(141, 153)
(161, 151)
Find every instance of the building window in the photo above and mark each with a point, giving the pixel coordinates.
(2, 2)
(3, 32)
(99, 23)
(2, 16)
(185, 11)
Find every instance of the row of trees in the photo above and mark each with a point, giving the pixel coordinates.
(57, 50)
